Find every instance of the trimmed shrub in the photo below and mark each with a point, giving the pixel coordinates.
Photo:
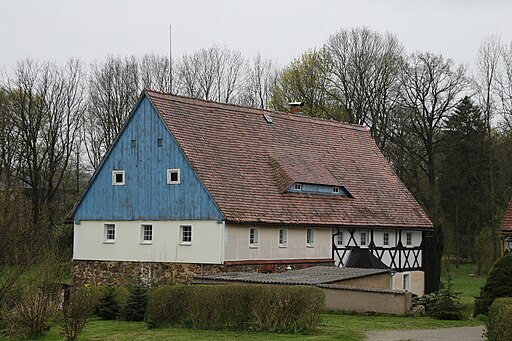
(135, 307)
(498, 284)
(499, 320)
(239, 307)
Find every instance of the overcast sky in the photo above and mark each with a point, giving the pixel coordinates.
(279, 29)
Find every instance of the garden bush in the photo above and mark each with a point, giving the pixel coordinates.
(498, 284)
(76, 312)
(239, 307)
(499, 320)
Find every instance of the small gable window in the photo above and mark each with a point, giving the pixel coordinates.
(109, 233)
(283, 237)
(297, 187)
(253, 237)
(159, 142)
(408, 238)
(118, 178)
(310, 237)
(385, 240)
(173, 176)
(339, 238)
(146, 233)
(185, 235)
(364, 239)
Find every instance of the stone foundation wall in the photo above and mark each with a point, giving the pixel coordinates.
(93, 272)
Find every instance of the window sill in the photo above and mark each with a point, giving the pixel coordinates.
(283, 246)
(109, 242)
(310, 245)
(185, 243)
(147, 242)
(253, 246)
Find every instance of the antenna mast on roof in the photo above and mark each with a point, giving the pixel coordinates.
(170, 59)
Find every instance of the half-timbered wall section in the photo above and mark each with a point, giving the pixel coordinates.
(400, 250)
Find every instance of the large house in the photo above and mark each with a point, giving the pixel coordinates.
(193, 187)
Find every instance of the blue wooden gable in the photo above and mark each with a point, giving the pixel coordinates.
(146, 194)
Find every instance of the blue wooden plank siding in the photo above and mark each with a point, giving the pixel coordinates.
(146, 194)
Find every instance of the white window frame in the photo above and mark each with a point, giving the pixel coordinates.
(143, 234)
(335, 189)
(185, 240)
(408, 238)
(170, 171)
(310, 237)
(384, 235)
(253, 237)
(116, 172)
(406, 281)
(282, 237)
(297, 187)
(365, 238)
(106, 229)
(339, 238)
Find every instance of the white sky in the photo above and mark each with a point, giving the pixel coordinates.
(279, 29)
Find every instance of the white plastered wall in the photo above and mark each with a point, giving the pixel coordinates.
(206, 246)
(417, 281)
(237, 244)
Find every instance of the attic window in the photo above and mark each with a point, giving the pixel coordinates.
(134, 144)
(268, 118)
(297, 187)
(159, 142)
(335, 189)
(118, 178)
(173, 176)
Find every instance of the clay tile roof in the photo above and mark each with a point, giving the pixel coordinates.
(247, 163)
(506, 224)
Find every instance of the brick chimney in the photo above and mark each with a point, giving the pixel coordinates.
(296, 108)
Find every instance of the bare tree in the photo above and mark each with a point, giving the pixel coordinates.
(431, 87)
(215, 74)
(114, 87)
(260, 78)
(155, 73)
(504, 88)
(46, 104)
(364, 76)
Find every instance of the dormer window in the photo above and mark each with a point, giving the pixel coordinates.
(297, 187)
(335, 189)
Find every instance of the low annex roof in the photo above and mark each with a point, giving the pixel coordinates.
(247, 162)
(506, 224)
(309, 276)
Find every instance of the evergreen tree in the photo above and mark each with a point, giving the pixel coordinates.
(463, 177)
(135, 308)
(498, 284)
(108, 306)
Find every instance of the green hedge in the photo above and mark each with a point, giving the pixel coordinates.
(240, 307)
(499, 320)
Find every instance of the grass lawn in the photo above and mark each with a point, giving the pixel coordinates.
(463, 281)
(335, 326)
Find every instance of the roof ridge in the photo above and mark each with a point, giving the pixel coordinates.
(252, 110)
